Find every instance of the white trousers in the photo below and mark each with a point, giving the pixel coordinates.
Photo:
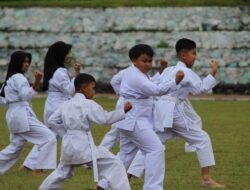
(39, 135)
(195, 136)
(31, 159)
(150, 145)
(111, 138)
(111, 172)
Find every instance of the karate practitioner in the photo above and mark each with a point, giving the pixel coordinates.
(136, 131)
(78, 146)
(113, 136)
(175, 117)
(60, 88)
(21, 120)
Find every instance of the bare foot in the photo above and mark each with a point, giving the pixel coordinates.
(211, 183)
(39, 172)
(96, 188)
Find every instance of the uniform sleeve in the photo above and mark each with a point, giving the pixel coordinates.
(148, 88)
(102, 117)
(2, 101)
(116, 81)
(156, 78)
(26, 92)
(199, 86)
(63, 82)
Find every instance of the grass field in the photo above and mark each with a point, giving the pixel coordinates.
(227, 122)
(122, 3)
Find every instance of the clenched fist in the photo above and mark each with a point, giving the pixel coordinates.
(179, 76)
(128, 106)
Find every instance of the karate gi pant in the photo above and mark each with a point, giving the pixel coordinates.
(195, 136)
(39, 135)
(31, 159)
(147, 141)
(111, 173)
(111, 138)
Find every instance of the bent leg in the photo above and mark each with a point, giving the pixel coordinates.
(11, 153)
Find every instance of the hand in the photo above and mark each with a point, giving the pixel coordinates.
(128, 106)
(163, 64)
(38, 75)
(214, 67)
(77, 68)
(179, 76)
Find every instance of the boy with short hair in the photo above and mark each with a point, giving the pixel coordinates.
(175, 115)
(113, 135)
(137, 130)
(78, 146)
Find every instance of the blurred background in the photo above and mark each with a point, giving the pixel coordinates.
(102, 32)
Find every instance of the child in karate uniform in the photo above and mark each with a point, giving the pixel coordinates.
(56, 79)
(60, 88)
(78, 146)
(21, 120)
(113, 136)
(136, 131)
(175, 116)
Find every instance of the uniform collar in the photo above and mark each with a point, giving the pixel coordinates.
(181, 64)
(138, 70)
(79, 96)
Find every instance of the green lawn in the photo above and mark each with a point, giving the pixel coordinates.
(122, 3)
(227, 122)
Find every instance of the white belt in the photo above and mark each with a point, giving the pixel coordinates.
(183, 105)
(144, 102)
(20, 103)
(92, 147)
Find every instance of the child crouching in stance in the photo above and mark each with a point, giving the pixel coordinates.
(21, 119)
(78, 146)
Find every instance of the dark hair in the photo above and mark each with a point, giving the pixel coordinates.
(54, 59)
(15, 66)
(184, 44)
(140, 49)
(83, 79)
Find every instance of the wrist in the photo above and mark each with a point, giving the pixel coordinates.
(213, 72)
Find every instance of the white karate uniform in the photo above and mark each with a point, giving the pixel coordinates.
(137, 166)
(2, 99)
(137, 130)
(60, 90)
(113, 135)
(24, 126)
(181, 120)
(78, 146)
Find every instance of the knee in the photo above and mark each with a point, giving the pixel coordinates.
(159, 149)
